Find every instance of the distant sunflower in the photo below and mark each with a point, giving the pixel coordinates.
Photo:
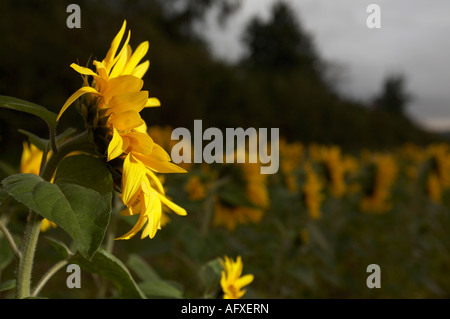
(378, 194)
(312, 192)
(232, 280)
(256, 194)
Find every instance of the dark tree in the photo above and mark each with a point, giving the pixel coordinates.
(279, 43)
(393, 98)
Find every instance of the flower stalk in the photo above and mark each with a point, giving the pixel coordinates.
(25, 265)
(32, 230)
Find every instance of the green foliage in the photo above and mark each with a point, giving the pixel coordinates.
(151, 284)
(28, 107)
(112, 269)
(82, 212)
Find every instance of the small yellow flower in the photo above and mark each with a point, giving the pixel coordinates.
(31, 159)
(30, 164)
(46, 225)
(231, 280)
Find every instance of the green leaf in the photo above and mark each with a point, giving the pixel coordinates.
(142, 269)
(87, 171)
(13, 103)
(153, 286)
(41, 143)
(161, 289)
(211, 273)
(82, 212)
(8, 285)
(112, 269)
(60, 247)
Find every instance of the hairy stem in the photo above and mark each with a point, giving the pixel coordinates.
(10, 240)
(49, 274)
(25, 265)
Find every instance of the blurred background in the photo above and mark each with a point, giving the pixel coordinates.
(311, 68)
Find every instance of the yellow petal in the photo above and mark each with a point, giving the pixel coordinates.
(159, 153)
(244, 281)
(137, 56)
(141, 69)
(121, 84)
(154, 221)
(126, 50)
(164, 167)
(157, 165)
(177, 209)
(121, 62)
(136, 228)
(132, 177)
(141, 143)
(127, 101)
(126, 121)
(83, 70)
(101, 69)
(142, 128)
(117, 146)
(75, 96)
(114, 46)
(153, 102)
(156, 180)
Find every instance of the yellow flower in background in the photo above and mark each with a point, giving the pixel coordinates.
(46, 225)
(378, 200)
(231, 216)
(256, 193)
(31, 159)
(195, 188)
(312, 192)
(115, 92)
(434, 188)
(30, 163)
(256, 185)
(291, 155)
(411, 156)
(440, 155)
(232, 280)
(332, 160)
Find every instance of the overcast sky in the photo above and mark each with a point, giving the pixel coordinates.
(414, 39)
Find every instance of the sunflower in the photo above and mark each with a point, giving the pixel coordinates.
(114, 100)
(232, 280)
(377, 197)
(255, 192)
(312, 192)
